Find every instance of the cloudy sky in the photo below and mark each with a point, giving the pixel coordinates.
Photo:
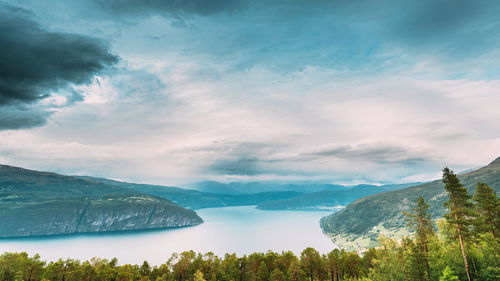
(378, 91)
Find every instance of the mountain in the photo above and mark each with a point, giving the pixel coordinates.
(267, 195)
(328, 199)
(41, 203)
(258, 187)
(193, 199)
(216, 187)
(359, 224)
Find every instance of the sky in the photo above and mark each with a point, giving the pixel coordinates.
(172, 92)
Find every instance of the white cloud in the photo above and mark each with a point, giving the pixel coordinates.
(175, 119)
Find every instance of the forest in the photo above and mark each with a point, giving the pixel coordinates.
(463, 245)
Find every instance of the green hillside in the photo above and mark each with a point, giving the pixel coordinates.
(41, 203)
(360, 223)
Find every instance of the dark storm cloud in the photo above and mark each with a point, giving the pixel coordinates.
(35, 62)
(430, 18)
(21, 117)
(239, 158)
(201, 7)
(382, 154)
(451, 27)
(352, 35)
(373, 36)
(243, 166)
(246, 165)
(254, 158)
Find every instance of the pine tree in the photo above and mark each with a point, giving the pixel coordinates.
(145, 269)
(263, 272)
(420, 222)
(277, 275)
(311, 262)
(487, 210)
(333, 264)
(460, 212)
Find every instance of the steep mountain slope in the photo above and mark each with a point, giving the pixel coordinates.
(193, 199)
(327, 199)
(360, 223)
(40, 203)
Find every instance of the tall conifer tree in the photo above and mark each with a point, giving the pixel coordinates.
(487, 210)
(419, 221)
(460, 212)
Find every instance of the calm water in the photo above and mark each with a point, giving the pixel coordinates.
(240, 230)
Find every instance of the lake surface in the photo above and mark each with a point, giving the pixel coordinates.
(240, 230)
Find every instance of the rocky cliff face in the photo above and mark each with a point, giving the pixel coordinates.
(35, 203)
(77, 215)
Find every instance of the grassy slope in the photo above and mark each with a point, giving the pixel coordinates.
(368, 217)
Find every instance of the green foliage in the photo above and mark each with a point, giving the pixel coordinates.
(389, 263)
(459, 204)
(198, 276)
(405, 260)
(419, 222)
(447, 275)
(336, 265)
(487, 254)
(460, 213)
(487, 210)
(21, 267)
(277, 275)
(311, 263)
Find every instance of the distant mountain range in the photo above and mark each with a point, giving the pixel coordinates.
(359, 224)
(256, 187)
(328, 199)
(268, 196)
(42, 203)
(194, 199)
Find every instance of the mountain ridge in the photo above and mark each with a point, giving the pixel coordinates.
(327, 199)
(359, 224)
(43, 203)
(257, 187)
(193, 199)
